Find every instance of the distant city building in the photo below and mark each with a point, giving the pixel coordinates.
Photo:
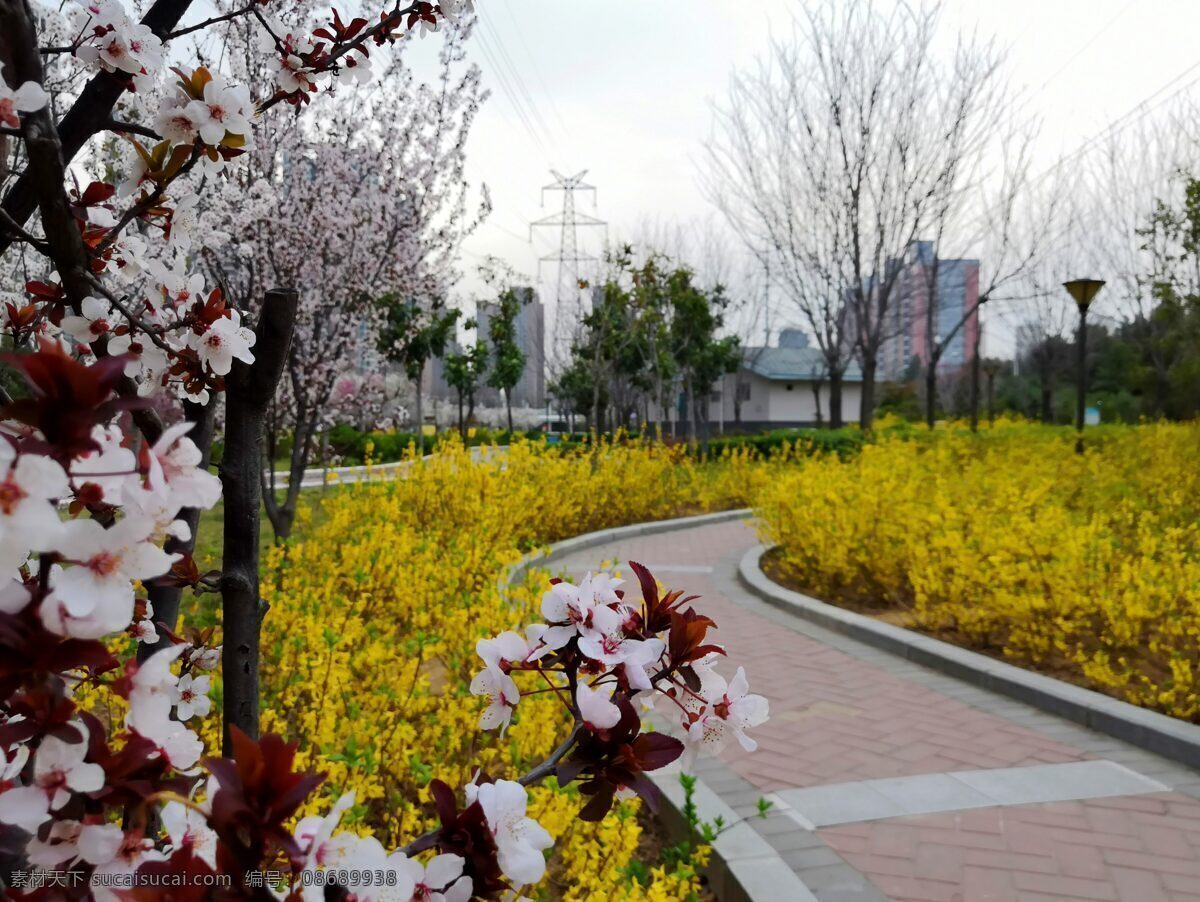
(957, 295)
(530, 390)
(433, 382)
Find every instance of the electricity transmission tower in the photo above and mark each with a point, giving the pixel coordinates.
(570, 261)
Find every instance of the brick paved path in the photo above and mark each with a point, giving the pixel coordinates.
(937, 791)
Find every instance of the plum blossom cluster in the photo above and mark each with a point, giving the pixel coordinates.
(93, 485)
(113, 41)
(77, 794)
(609, 659)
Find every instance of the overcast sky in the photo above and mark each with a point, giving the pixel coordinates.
(622, 88)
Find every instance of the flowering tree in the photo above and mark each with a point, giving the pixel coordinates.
(104, 783)
(362, 196)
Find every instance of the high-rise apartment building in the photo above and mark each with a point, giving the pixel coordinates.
(530, 390)
(954, 286)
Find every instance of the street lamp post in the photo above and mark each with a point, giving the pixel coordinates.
(1083, 291)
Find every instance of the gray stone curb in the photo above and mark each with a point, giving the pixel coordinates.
(516, 573)
(1148, 730)
(744, 867)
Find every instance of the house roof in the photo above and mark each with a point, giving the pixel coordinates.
(792, 364)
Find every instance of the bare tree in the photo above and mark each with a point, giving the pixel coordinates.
(849, 139)
(1006, 220)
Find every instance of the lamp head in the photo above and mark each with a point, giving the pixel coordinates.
(1083, 290)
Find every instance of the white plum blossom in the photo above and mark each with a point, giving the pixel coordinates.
(188, 828)
(124, 45)
(58, 771)
(175, 470)
(204, 657)
(223, 342)
(569, 610)
(29, 486)
(191, 697)
(607, 643)
(26, 98)
(730, 711)
(519, 839)
(69, 841)
(456, 10)
(344, 852)
(13, 598)
(176, 120)
(110, 468)
(144, 631)
(134, 851)
(502, 695)
(440, 879)
(510, 648)
(291, 73)
(97, 591)
(223, 108)
(596, 707)
(97, 319)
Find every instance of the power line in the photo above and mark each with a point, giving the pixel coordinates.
(537, 72)
(514, 74)
(508, 91)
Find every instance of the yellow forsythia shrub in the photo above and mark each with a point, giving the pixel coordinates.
(1085, 566)
(369, 645)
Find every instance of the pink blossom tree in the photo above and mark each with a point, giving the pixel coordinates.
(114, 330)
(359, 200)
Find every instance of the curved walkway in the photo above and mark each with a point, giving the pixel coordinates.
(892, 781)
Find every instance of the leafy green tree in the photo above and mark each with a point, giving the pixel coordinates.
(697, 317)
(463, 373)
(412, 334)
(507, 358)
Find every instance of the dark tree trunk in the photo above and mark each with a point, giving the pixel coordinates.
(462, 423)
(249, 390)
(931, 392)
(835, 400)
(508, 409)
(1046, 381)
(991, 397)
(420, 414)
(866, 415)
(975, 384)
(817, 402)
(165, 599)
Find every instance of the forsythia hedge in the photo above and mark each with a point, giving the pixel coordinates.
(369, 645)
(1087, 566)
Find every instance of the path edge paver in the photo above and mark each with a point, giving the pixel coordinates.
(1148, 730)
(743, 866)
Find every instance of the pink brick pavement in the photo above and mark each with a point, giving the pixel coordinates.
(838, 719)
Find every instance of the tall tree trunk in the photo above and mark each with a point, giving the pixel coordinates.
(866, 414)
(817, 401)
(835, 400)
(931, 392)
(991, 397)
(1046, 381)
(462, 423)
(975, 383)
(282, 515)
(690, 394)
(420, 414)
(508, 409)
(249, 389)
(165, 599)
